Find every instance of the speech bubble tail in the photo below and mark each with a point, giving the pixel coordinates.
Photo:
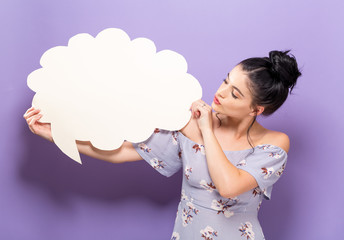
(65, 142)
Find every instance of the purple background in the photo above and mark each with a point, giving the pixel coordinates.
(46, 195)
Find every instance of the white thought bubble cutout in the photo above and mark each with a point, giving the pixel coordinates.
(109, 89)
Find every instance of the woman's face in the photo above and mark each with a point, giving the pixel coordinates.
(234, 96)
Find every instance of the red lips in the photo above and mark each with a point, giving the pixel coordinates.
(216, 101)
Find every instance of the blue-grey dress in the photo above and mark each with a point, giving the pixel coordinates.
(202, 212)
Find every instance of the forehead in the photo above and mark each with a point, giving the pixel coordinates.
(239, 79)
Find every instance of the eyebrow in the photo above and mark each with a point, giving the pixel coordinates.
(236, 87)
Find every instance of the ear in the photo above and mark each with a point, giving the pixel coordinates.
(257, 111)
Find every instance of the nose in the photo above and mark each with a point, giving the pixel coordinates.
(224, 90)
(221, 92)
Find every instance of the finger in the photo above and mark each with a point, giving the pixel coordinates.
(192, 109)
(29, 110)
(202, 108)
(207, 107)
(34, 119)
(32, 122)
(29, 120)
(196, 103)
(196, 113)
(204, 105)
(31, 113)
(195, 107)
(199, 111)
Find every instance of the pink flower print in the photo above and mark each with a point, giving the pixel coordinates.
(175, 236)
(187, 214)
(260, 203)
(242, 163)
(183, 196)
(265, 146)
(208, 186)
(246, 230)
(256, 191)
(187, 217)
(175, 142)
(275, 155)
(235, 199)
(187, 171)
(208, 233)
(199, 148)
(280, 171)
(144, 147)
(267, 172)
(222, 206)
(192, 207)
(174, 137)
(156, 163)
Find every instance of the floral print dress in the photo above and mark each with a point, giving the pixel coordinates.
(202, 212)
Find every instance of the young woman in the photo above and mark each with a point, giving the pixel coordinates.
(230, 161)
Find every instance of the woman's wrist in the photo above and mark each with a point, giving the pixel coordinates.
(205, 131)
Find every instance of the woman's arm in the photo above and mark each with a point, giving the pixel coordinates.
(126, 153)
(229, 180)
(232, 181)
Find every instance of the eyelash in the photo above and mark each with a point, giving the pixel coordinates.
(235, 97)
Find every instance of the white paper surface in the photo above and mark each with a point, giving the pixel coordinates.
(109, 89)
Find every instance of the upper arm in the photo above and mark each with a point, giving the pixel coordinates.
(130, 152)
(284, 142)
(279, 139)
(245, 183)
(126, 153)
(162, 151)
(260, 169)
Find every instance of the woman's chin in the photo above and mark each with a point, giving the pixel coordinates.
(213, 105)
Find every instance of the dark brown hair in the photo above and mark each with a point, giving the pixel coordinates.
(271, 78)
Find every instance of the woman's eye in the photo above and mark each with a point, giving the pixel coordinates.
(234, 95)
(225, 80)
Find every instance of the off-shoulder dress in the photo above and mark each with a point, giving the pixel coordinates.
(202, 212)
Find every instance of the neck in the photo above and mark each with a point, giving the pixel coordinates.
(236, 127)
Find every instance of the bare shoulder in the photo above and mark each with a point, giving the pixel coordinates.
(278, 139)
(186, 127)
(191, 130)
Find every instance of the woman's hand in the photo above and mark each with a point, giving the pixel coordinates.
(41, 129)
(203, 113)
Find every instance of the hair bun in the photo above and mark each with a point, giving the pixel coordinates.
(284, 68)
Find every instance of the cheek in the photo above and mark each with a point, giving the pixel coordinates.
(232, 107)
(237, 106)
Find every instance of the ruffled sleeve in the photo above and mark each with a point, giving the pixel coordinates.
(266, 164)
(162, 151)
